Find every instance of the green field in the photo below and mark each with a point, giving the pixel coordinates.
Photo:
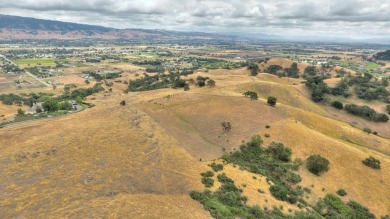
(43, 61)
(148, 55)
(371, 66)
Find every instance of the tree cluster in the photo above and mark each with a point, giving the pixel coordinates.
(251, 94)
(226, 126)
(254, 68)
(366, 112)
(372, 162)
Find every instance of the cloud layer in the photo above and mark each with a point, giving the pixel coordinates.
(359, 18)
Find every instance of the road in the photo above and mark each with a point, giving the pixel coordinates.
(35, 77)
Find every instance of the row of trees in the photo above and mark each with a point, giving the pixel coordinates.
(172, 79)
(367, 112)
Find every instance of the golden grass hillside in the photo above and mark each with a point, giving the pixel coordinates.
(108, 161)
(141, 160)
(195, 117)
(363, 184)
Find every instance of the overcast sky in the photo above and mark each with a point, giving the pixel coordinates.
(350, 18)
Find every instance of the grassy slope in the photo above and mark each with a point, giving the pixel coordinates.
(102, 157)
(194, 118)
(88, 159)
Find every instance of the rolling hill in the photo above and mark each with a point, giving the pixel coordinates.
(143, 159)
(383, 55)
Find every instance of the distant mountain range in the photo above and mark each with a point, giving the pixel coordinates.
(18, 28)
(22, 28)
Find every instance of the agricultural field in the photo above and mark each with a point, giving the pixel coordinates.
(38, 62)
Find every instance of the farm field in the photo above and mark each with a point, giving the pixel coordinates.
(38, 62)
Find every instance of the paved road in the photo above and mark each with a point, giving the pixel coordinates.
(35, 77)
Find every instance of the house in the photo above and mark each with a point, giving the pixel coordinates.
(33, 109)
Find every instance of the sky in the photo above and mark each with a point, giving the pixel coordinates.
(332, 18)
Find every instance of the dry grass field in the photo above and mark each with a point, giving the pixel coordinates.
(73, 166)
(141, 160)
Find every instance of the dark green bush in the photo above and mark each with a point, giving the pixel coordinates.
(293, 177)
(367, 130)
(337, 104)
(216, 167)
(341, 192)
(208, 182)
(271, 101)
(207, 174)
(360, 211)
(372, 162)
(222, 178)
(367, 112)
(317, 164)
(281, 192)
(279, 151)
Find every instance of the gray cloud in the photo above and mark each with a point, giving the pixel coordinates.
(321, 17)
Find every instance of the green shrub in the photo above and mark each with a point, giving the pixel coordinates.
(337, 104)
(372, 162)
(360, 211)
(207, 174)
(281, 192)
(20, 112)
(251, 94)
(341, 192)
(208, 182)
(271, 101)
(293, 177)
(267, 135)
(337, 205)
(317, 164)
(279, 151)
(216, 167)
(222, 178)
(367, 130)
(254, 69)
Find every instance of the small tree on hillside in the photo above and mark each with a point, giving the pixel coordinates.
(317, 164)
(337, 104)
(251, 94)
(372, 162)
(123, 103)
(226, 126)
(254, 69)
(271, 101)
(211, 83)
(20, 112)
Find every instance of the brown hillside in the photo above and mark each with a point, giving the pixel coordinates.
(142, 160)
(73, 166)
